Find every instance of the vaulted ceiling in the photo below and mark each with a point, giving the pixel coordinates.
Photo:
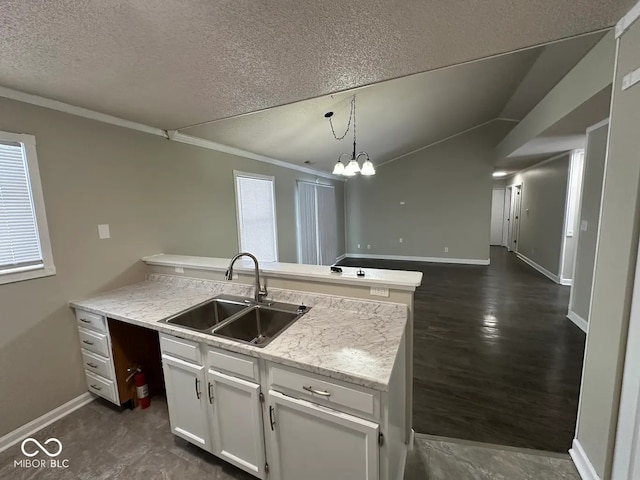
(172, 64)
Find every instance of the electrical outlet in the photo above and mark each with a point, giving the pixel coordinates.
(379, 291)
(103, 232)
(368, 247)
(446, 249)
(179, 270)
(401, 240)
(358, 245)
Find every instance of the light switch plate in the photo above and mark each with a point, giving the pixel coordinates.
(104, 232)
(379, 291)
(584, 225)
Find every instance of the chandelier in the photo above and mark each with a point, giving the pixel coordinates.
(352, 167)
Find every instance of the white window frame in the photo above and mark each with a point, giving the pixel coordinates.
(272, 179)
(33, 175)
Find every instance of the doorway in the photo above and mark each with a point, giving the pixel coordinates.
(513, 220)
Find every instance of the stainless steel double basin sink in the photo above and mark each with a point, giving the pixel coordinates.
(239, 319)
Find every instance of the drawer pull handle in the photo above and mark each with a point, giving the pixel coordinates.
(85, 321)
(92, 365)
(210, 393)
(317, 392)
(95, 386)
(87, 342)
(272, 422)
(198, 392)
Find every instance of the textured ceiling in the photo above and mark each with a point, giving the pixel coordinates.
(399, 116)
(170, 63)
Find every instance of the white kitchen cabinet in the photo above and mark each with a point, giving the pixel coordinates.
(236, 421)
(187, 400)
(316, 443)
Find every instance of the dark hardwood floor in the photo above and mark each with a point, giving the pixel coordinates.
(495, 358)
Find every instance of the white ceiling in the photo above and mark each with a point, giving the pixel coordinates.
(402, 115)
(170, 63)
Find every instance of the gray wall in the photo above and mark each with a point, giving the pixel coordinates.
(595, 155)
(616, 257)
(544, 192)
(157, 195)
(447, 193)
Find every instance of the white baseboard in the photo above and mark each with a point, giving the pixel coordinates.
(582, 463)
(341, 257)
(566, 281)
(578, 320)
(463, 261)
(539, 268)
(11, 438)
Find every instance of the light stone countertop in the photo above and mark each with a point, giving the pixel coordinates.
(348, 339)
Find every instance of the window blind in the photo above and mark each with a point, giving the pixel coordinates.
(19, 241)
(257, 217)
(317, 224)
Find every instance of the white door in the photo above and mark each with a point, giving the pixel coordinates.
(514, 217)
(506, 223)
(236, 422)
(184, 382)
(497, 215)
(311, 442)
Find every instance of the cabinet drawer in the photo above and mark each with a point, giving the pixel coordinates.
(327, 392)
(236, 364)
(101, 386)
(94, 341)
(179, 347)
(97, 364)
(91, 321)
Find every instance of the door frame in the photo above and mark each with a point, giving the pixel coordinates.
(515, 208)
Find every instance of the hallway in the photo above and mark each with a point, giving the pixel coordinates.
(495, 358)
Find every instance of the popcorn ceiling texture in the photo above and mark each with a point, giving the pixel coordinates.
(171, 64)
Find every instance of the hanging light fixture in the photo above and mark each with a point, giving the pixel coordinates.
(352, 167)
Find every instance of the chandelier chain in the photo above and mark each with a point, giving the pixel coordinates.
(352, 113)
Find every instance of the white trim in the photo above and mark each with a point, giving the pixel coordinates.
(595, 127)
(437, 142)
(403, 463)
(546, 160)
(176, 136)
(578, 320)
(464, 261)
(11, 438)
(78, 111)
(566, 282)
(341, 257)
(539, 268)
(582, 463)
(631, 79)
(625, 22)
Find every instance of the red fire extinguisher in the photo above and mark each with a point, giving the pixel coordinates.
(142, 389)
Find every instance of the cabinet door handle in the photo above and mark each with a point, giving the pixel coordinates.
(92, 365)
(271, 420)
(95, 386)
(85, 321)
(210, 393)
(197, 390)
(87, 342)
(317, 392)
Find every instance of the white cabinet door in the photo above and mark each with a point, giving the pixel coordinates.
(187, 400)
(237, 421)
(312, 442)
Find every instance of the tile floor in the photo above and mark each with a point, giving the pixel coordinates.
(102, 442)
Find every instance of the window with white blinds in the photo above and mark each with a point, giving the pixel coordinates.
(22, 253)
(317, 224)
(256, 208)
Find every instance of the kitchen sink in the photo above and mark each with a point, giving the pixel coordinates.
(207, 315)
(260, 324)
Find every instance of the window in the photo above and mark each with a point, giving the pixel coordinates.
(25, 251)
(256, 209)
(317, 224)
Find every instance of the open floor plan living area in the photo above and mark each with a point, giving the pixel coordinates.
(320, 240)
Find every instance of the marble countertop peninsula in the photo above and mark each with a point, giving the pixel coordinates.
(348, 339)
